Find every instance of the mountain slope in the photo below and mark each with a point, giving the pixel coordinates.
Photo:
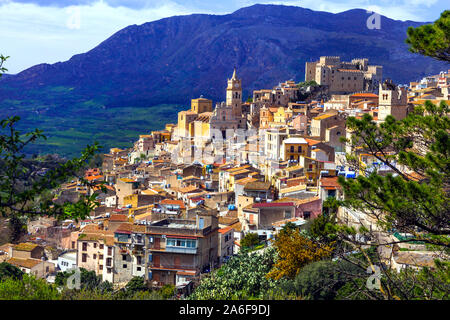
(175, 59)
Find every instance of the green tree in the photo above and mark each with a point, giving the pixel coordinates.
(432, 40)
(249, 240)
(294, 251)
(17, 229)
(136, 284)
(19, 190)
(167, 291)
(10, 271)
(413, 198)
(322, 280)
(27, 288)
(242, 277)
(88, 280)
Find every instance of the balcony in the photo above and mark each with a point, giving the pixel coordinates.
(137, 252)
(138, 243)
(171, 266)
(181, 250)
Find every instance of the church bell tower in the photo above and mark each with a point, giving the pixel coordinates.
(234, 95)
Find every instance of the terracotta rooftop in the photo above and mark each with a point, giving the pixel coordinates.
(25, 263)
(188, 189)
(257, 185)
(25, 246)
(362, 94)
(272, 204)
(174, 202)
(330, 182)
(225, 230)
(118, 217)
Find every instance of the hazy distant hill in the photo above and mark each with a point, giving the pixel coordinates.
(178, 58)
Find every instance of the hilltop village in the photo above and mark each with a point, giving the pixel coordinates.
(179, 202)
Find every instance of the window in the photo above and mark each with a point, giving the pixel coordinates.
(124, 257)
(139, 259)
(108, 262)
(138, 268)
(84, 246)
(95, 245)
(184, 243)
(108, 270)
(100, 257)
(84, 257)
(287, 214)
(101, 267)
(73, 244)
(124, 266)
(292, 148)
(306, 214)
(95, 256)
(109, 251)
(47, 269)
(101, 246)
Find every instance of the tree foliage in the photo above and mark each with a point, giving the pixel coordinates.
(250, 240)
(21, 194)
(414, 197)
(136, 284)
(10, 271)
(28, 288)
(294, 251)
(321, 280)
(88, 280)
(242, 277)
(432, 40)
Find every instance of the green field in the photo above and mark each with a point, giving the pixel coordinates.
(71, 127)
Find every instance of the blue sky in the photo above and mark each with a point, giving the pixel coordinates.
(38, 31)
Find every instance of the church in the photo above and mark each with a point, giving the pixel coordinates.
(228, 115)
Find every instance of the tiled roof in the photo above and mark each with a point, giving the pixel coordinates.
(174, 202)
(90, 178)
(118, 217)
(125, 227)
(330, 182)
(188, 189)
(299, 187)
(25, 246)
(362, 94)
(245, 180)
(225, 230)
(257, 185)
(25, 263)
(312, 142)
(324, 116)
(272, 204)
(227, 220)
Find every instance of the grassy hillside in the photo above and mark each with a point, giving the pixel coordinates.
(70, 128)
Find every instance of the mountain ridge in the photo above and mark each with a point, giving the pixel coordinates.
(175, 59)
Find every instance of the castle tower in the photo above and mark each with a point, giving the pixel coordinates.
(234, 95)
(392, 100)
